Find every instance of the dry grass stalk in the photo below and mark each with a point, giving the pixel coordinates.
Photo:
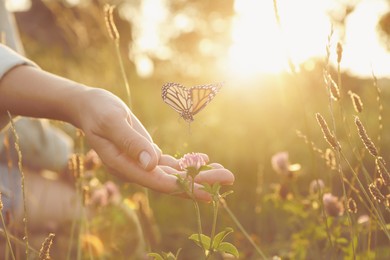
(381, 168)
(20, 167)
(327, 134)
(86, 195)
(312, 145)
(380, 106)
(44, 253)
(110, 23)
(76, 165)
(339, 51)
(351, 205)
(333, 87)
(356, 101)
(388, 200)
(370, 146)
(330, 158)
(4, 229)
(375, 192)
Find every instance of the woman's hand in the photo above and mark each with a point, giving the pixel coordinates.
(127, 150)
(110, 128)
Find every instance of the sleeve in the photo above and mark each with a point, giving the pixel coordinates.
(8, 60)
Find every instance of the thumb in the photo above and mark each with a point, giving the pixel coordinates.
(132, 143)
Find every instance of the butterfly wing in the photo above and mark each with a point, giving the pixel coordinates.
(200, 96)
(177, 97)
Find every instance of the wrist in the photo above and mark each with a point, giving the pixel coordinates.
(31, 92)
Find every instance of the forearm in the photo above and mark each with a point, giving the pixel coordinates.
(29, 91)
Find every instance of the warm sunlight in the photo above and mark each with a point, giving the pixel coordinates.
(259, 46)
(256, 41)
(362, 50)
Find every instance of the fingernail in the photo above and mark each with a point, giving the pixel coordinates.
(144, 159)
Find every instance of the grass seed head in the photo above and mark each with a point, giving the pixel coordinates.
(330, 158)
(375, 192)
(44, 252)
(356, 101)
(381, 168)
(352, 206)
(327, 134)
(110, 23)
(370, 146)
(333, 87)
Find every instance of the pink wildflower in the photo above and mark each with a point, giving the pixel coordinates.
(364, 220)
(316, 185)
(192, 160)
(333, 206)
(108, 193)
(281, 164)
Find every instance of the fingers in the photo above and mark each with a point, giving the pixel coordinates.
(161, 179)
(221, 175)
(167, 160)
(134, 144)
(171, 161)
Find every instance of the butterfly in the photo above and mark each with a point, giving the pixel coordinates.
(188, 101)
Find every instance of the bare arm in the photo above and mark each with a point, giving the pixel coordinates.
(110, 128)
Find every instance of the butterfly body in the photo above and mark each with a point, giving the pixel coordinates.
(188, 102)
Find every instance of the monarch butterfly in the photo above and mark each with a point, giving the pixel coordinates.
(188, 102)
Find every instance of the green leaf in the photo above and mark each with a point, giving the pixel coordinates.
(342, 240)
(228, 248)
(165, 255)
(205, 168)
(205, 243)
(212, 189)
(177, 253)
(169, 256)
(221, 236)
(223, 195)
(155, 256)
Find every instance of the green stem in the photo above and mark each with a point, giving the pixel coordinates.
(17, 241)
(122, 68)
(327, 229)
(86, 226)
(73, 227)
(242, 229)
(199, 222)
(348, 213)
(213, 228)
(6, 235)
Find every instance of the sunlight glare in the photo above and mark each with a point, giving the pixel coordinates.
(18, 5)
(363, 50)
(259, 46)
(255, 39)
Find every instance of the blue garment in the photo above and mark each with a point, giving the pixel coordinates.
(11, 191)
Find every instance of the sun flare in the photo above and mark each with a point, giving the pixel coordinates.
(260, 46)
